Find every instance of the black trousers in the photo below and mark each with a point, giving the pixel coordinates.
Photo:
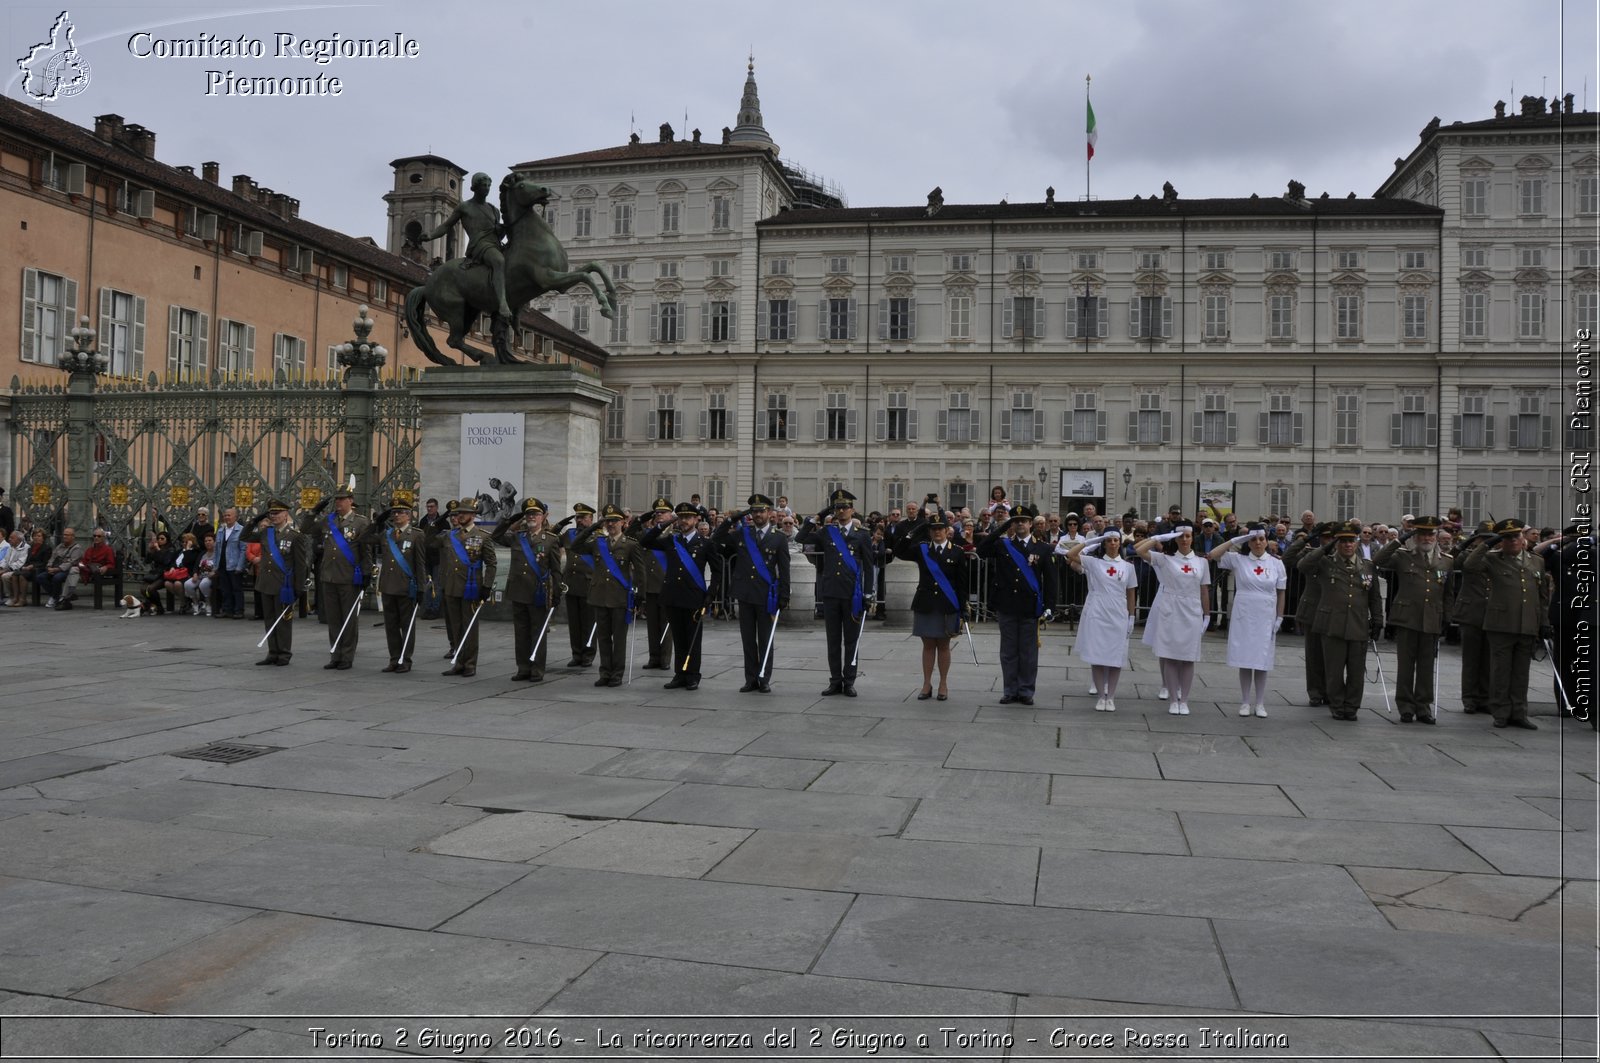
(580, 619)
(397, 613)
(686, 632)
(1509, 658)
(280, 644)
(1346, 677)
(1019, 653)
(843, 633)
(458, 613)
(1316, 672)
(1413, 685)
(1474, 668)
(611, 638)
(527, 620)
(655, 618)
(340, 599)
(754, 624)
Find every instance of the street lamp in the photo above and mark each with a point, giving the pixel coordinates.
(1044, 474)
(1127, 482)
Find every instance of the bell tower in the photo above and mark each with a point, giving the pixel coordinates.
(426, 189)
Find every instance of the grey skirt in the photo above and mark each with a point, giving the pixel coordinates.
(935, 625)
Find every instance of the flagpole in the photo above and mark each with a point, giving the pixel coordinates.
(1088, 154)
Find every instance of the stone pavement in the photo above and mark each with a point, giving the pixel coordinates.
(1044, 881)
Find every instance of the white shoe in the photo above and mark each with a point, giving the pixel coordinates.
(1261, 711)
(1100, 705)
(1163, 695)
(1111, 706)
(51, 604)
(1093, 689)
(1172, 709)
(1244, 710)
(1183, 708)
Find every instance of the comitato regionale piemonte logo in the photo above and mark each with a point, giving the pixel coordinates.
(54, 69)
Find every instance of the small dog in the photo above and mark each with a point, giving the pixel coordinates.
(131, 605)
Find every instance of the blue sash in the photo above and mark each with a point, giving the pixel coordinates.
(285, 592)
(337, 534)
(472, 567)
(661, 559)
(616, 572)
(759, 563)
(538, 573)
(688, 563)
(848, 558)
(400, 559)
(1021, 562)
(940, 580)
(588, 561)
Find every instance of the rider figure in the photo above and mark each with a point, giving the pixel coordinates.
(481, 220)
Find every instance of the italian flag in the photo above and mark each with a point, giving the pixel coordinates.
(1093, 136)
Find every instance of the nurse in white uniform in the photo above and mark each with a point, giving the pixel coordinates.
(1259, 580)
(1180, 614)
(1108, 611)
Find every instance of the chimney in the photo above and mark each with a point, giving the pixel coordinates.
(1499, 108)
(188, 170)
(211, 172)
(666, 132)
(291, 206)
(935, 200)
(263, 195)
(140, 139)
(697, 136)
(1050, 196)
(244, 186)
(107, 126)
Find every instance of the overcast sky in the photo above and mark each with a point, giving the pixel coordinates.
(885, 97)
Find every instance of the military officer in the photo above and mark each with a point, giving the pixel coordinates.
(1418, 613)
(531, 584)
(1349, 614)
(683, 589)
(760, 583)
(1516, 616)
(618, 569)
(342, 575)
(655, 571)
(285, 566)
(1466, 611)
(403, 579)
(577, 575)
(843, 556)
(466, 574)
(1306, 611)
(1017, 596)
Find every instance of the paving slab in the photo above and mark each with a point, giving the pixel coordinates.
(1544, 854)
(1271, 771)
(795, 722)
(1482, 810)
(893, 866)
(46, 766)
(77, 1030)
(277, 963)
(305, 769)
(1467, 780)
(737, 806)
(673, 849)
(454, 751)
(837, 748)
(1048, 826)
(1330, 841)
(516, 837)
(574, 795)
(120, 778)
(113, 853)
(1173, 795)
(902, 779)
(703, 739)
(720, 769)
(1100, 762)
(273, 1046)
(1015, 949)
(57, 939)
(415, 890)
(721, 922)
(1571, 814)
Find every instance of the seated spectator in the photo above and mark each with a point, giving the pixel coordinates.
(160, 558)
(39, 547)
(197, 588)
(58, 581)
(183, 566)
(99, 560)
(15, 558)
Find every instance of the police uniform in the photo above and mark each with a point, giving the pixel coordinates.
(843, 557)
(530, 587)
(341, 576)
(576, 576)
(466, 581)
(655, 608)
(1305, 614)
(403, 580)
(1417, 618)
(683, 591)
(1466, 612)
(1516, 614)
(613, 590)
(760, 584)
(1349, 614)
(1016, 596)
(285, 567)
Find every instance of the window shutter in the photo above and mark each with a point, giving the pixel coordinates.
(249, 348)
(883, 322)
(655, 325)
(1166, 426)
(1197, 427)
(172, 340)
(1072, 317)
(1066, 427)
(911, 426)
(822, 424)
(1133, 317)
(1233, 428)
(1133, 426)
(791, 427)
(653, 429)
(1263, 420)
(705, 323)
(941, 426)
(733, 321)
(105, 320)
(1166, 317)
(851, 426)
(764, 320)
(977, 425)
(1005, 426)
(69, 306)
(1455, 430)
(1432, 430)
(822, 319)
(1547, 429)
(1488, 431)
(1299, 428)
(761, 424)
(791, 320)
(1007, 326)
(880, 425)
(1101, 319)
(911, 318)
(202, 342)
(705, 424)
(1101, 420)
(30, 314)
(1397, 431)
(1038, 426)
(1038, 318)
(851, 334)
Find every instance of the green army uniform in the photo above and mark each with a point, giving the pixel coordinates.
(1349, 614)
(611, 599)
(1517, 612)
(341, 578)
(576, 576)
(285, 566)
(530, 587)
(400, 556)
(1466, 612)
(1418, 620)
(655, 573)
(466, 581)
(1304, 616)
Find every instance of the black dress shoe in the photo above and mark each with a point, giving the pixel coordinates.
(675, 683)
(748, 687)
(343, 666)
(831, 689)
(1524, 724)
(849, 690)
(330, 666)
(1008, 699)
(693, 684)
(1424, 718)
(764, 686)
(281, 662)
(1406, 717)
(468, 672)
(602, 682)
(1026, 700)
(1502, 723)
(454, 671)
(522, 677)
(613, 682)
(924, 695)
(267, 660)
(1470, 711)
(402, 669)
(391, 667)
(575, 663)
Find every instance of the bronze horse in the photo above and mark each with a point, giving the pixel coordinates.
(536, 263)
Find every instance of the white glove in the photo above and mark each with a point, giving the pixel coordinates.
(1207, 625)
(1130, 623)
(1240, 540)
(1277, 622)
(1093, 540)
(1167, 537)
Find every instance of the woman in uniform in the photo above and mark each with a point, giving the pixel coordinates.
(941, 593)
(1108, 611)
(1259, 585)
(1180, 614)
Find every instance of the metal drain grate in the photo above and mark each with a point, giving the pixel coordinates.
(226, 752)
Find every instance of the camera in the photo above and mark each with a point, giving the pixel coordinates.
(931, 498)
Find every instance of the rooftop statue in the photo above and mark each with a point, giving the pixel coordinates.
(491, 278)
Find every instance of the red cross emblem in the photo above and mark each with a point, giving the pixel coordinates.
(1259, 570)
(1111, 571)
(1186, 568)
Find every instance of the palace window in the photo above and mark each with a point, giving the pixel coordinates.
(1347, 260)
(775, 423)
(959, 303)
(1023, 318)
(1150, 317)
(718, 322)
(1347, 317)
(836, 421)
(1530, 428)
(583, 222)
(1347, 418)
(1475, 197)
(1280, 425)
(1213, 425)
(960, 263)
(671, 218)
(1216, 322)
(1280, 317)
(617, 419)
(715, 424)
(1475, 256)
(1413, 428)
(1087, 317)
(721, 213)
(122, 332)
(1531, 194)
(1414, 314)
(1149, 424)
(288, 353)
(778, 318)
(899, 263)
(1021, 422)
(1588, 193)
(1474, 315)
(622, 219)
(1085, 424)
(619, 323)
(897, 318)
(1530, 315)
(897, 422)
(49, 313)
(958, 421)
(187, 336)
(1474, 428)
(666, 322)
(1413, 260)
(838, 319)
(664, 418)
